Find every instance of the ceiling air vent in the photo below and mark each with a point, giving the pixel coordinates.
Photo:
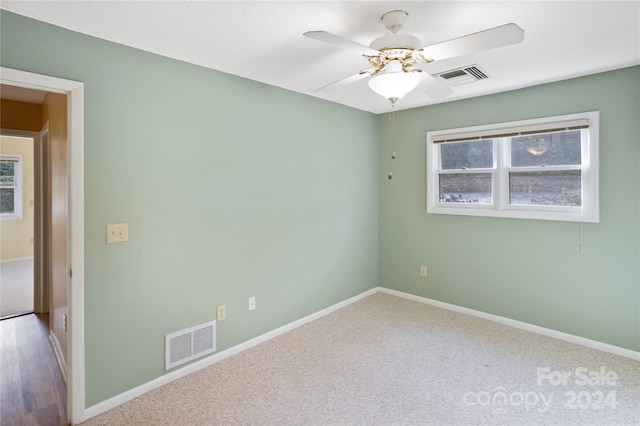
(464, 75)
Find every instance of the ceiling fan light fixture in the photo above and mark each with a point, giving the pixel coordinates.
(394, 82)
(394, 56)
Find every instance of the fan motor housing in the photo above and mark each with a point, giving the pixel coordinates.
(396, 41)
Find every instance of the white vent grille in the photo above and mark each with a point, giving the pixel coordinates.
(190, 343)
(465, 75)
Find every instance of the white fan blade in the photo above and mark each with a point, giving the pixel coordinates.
(503, 35)
(341, 42)
(431, 86)
(348, 80)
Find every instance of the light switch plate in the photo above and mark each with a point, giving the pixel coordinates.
(117, 233)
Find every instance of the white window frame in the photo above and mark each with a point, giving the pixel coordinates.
(589, 211)
(18, 188)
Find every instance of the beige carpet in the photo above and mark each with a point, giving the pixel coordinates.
(390, 361)
(16, 287)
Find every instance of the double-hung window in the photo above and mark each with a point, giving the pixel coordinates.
(532, 169)
(10, 187)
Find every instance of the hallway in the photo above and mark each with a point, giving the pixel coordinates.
(32, 391)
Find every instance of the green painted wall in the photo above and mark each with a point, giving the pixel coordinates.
(527, 270)
(231, 189)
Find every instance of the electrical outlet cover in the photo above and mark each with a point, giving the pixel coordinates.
(221, 313)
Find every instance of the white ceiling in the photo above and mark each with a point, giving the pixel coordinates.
(262, 40)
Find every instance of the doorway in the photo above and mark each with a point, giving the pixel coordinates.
(34, 202)
(18, 211)
(73, 270)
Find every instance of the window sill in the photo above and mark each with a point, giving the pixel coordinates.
(566, 214)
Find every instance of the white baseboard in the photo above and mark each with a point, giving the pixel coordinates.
(593, 344)
(57, 351)
(15, 259)
(126, 396)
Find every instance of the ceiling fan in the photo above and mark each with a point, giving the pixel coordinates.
(394, 56)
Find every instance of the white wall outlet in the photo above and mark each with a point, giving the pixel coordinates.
(252, 303)
(423, 271)
(221, 313)
(117, 233)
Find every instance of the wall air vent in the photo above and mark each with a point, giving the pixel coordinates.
(190, 343)
(463, 75)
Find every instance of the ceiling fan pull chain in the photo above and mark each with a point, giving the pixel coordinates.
(392, 132)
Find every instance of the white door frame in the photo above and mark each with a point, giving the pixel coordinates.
(75, 151)
(41, 277)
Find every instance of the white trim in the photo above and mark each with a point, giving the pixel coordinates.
(593, 344)
(57, 351)
(76, 229)
(15, 259)
(75, 116)
(126, 396)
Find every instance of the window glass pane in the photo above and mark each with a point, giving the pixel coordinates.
(7, 200)
(555, 188)
(476, 188)
(550, 149)
(7, 173)
(467, 155)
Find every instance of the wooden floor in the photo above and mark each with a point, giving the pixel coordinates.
(32, 391)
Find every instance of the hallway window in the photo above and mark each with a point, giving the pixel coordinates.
(10, 187)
